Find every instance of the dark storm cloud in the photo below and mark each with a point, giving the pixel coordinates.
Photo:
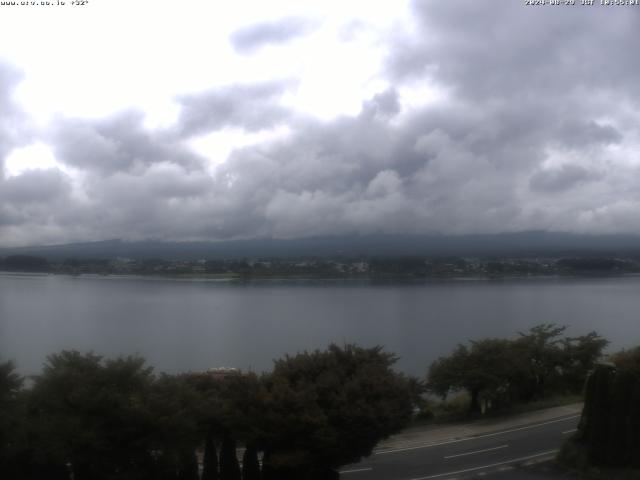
(581, 133)
(253, 37)
(384, 104)
(116, 144)
(33, 206)
(559, 179)
(251, 107)
(501, 48)
(364, 175)
(9, 217)
(538, 128)
(522, 86)
(35, 186)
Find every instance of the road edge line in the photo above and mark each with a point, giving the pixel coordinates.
(483, 435)
(507, 462)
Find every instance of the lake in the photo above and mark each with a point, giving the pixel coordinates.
(180, 325)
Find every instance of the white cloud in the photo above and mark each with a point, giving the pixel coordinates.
(33, 157)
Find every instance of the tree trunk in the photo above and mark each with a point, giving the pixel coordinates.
(210, 461)
(268, 472)
(474, 406)
(188, 466)
(250, 464)
(229, 467)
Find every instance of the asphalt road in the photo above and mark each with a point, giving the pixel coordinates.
(500, 453)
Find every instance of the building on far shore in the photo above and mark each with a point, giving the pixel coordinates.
(223, 372)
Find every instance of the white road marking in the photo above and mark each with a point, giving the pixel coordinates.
(466, 439)
(355, 470)
(521, 459)
(566, 432)
(477, 451)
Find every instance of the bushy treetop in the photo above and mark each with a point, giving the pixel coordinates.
(332, 407)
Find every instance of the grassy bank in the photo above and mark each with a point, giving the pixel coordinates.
(456, 409)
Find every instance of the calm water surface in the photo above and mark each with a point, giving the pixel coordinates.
(194, 325)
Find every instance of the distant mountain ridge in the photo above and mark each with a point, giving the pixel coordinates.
(508, 244)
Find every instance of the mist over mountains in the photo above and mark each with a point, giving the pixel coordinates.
(503, 245)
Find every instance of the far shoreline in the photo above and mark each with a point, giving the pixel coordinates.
(368, 279)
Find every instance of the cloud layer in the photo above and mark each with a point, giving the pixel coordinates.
(253, 37)
(536, 127)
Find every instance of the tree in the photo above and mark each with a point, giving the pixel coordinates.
(448, 373)
(581, 354)
(92, 414)
(11, 420)
(486, 370)
(498, 372)
(230, 409)
(176, 407)
(241, 403)
(188, 465)
(250, 464)
(210, 460)
(329, 408)
(628, 360)
(542, 346)
(609, 430)
(229, 467)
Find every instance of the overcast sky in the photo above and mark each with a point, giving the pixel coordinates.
(195, 119)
